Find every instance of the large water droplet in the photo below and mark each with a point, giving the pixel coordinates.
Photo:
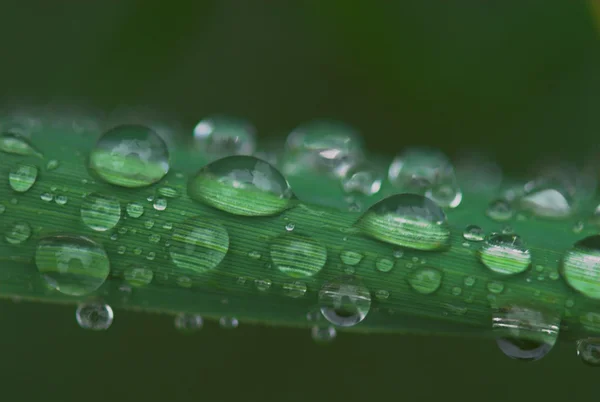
(199, 245)
(323, 334)
(505, 254)
(130, 156)
(298, 256)
(473, 233)
(138, 276)
(18, 233)
(17, 145)
(188, 323)
(427, 172)
(363, 177)
(241, 185)
(524, 333)
(425, 280)
(220, 136)
(589, 351)
(345, 301)
(94, 316)
(22, 177)
(100, 212)
(73, 265)
(581, 267)
(407, 220)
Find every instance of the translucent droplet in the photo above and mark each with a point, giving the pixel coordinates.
(473, 233)
(500, 211)
(100, 212)
(138, 276)
(46, 197)
(384, 264)
(255, 255)
(456, 290)
(52, 164)
(407, 220)
(22, 177)
(289, 227)
(382, 294)
(241, 185)
(130, 156)
(505, 254)
(425, 280)
(589, 351)
(578, 227)
(495, 287)
(363, 177)
(168, 192)
(228, 322)
(298, 256)
(188, 323)
(73, 265)
(220, 136)
(149, 224)
(160, 204)
(294, 289)
(398, 253)
(184, 282)
(61, 200)
(262, 284)
(344, 302)
(525, 333)
(323, 334)
(469, 281)
(154, 238)
(17, 145)
(18, 232)
(349, 257)
(581, 267)
(199, 245)
(548, 203)
(94, 316)
(426, 172)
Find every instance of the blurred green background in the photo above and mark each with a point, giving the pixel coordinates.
(519, 79)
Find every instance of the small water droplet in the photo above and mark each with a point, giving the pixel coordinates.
(100, 212)
(505, 254)
(221, 136)
(22, 177)
(384, 264)
(184, 282)
(61, 199)
(344, 301)
(500, 210)
(298, 256)
(578, 227)
(398, 253)
(569, 303)
(52, 164)
(473, 233)
(18, 233)
(407, 220)
(188, 323)
(289, 227)
(151, 256)
(382, 294)
(94, 316)
(425, 280)
(130, 156)
(160, 204)
(294, 289)
(121, 250)
(349, 257)
(495, 287)
(323, 334)
(135, 210)
(138, 276)
(228, 322)
(154, 238)
(138, 251)
(15, 144)
(456, 290)
(73, 265)
(168, 192)
(46, 197)
(469, 281)
(262, 284)
(581, 267)
(255, 255)
(589, 351)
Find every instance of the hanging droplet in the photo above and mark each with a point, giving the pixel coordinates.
(344, 302)
(94, 316)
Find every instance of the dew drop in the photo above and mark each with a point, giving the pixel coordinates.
(52, 164)
(581, 267)
(18, 233)
(456, 290)
(323, 334)
(199, 245)
(425, 280)
(46, 197)
(505, 254)
(294, 289)
(188, 323)
(349, 257)
(22, 177)
(138, 276)
(168, 192)
(255, 255)
(160, 204)
(262, 284)
(228, 322)
(407, 220)
(495, 287)
(73, 265)
(473, 233)
(363, 177)
(94, 316)
(61, 200)
(241, 185)
(398, 253)
(149, 224)
(588, 351)
(130, 156)
(344, 301)
(100, 212)
(469, 281)
(184, 282)
(382, 294)
(298, 256)
(500, 211)
(578, 227)
(154, 238)
(220, 136)
(384, 264)
(290, 227)
(121, 250)
(17, 145)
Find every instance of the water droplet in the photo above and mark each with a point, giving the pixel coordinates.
(61, 199)
(495, 287)
(547, 203)
(184, 282)
(425, 280)
(255, 255)
(294, 289)
(398, 253)
(241, 185)
(524, 333)
(188, 323)
(160, 204)
(323, 334)
(138, 276)
(351, 257)
(505, 254)
(262, 284)
(130, 156)
(500, 210)
(46, 197)
(94, 316)
(154, 238)
(298, 256)
(473, 233)
(220, 136)
(589, 351)
(123, 230)
(407, 220)
(18, 233)
(228, 322)
(469, 281)
(578, 227)
(52, 164)
(456, 291)
(426, 172)
(151, 256)
(100, 212)
(121, 249)
(382, 294)
(344, 302)
(22, 177)
(199, 245)
(168, 226)
(363, 177)
(168, 192)
(581, 267)
(289, 227)
(73, 265)
(17, 145)
(149, 224)
(384, 264)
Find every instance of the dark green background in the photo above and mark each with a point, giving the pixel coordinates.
(520, 79)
